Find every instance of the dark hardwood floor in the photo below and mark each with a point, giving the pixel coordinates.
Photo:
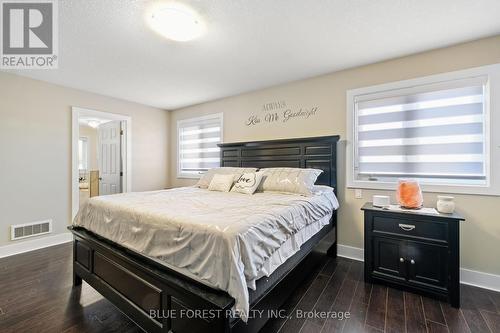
(36, 295)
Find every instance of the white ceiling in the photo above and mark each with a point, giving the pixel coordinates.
(107, 47)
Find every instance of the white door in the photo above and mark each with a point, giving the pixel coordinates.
(110, 166)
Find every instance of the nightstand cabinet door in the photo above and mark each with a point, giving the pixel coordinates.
(388, 258)
(428, 264)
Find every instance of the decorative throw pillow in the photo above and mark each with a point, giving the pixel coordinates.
(206, 178)
(289, 180)
(221, 183)
(248, 182)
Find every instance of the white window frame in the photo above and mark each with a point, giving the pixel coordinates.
(219, 116)
(491, 118)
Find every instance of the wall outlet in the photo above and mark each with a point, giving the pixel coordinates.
(358, 193)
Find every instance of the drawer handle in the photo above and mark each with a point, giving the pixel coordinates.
(406, 227)
(412, 262)
(401, 259)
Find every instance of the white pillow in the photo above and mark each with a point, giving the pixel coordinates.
(206, 178)
(289, 180)
(248, 182)
(320, 189)
(221, 183)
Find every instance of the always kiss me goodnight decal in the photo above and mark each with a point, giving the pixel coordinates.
(280, 112)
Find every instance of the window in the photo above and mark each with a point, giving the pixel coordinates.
(434, 129)
(83, 153)
(197, 145)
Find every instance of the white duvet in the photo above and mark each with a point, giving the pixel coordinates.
(222, 239)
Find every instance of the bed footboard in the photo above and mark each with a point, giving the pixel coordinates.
(154, 300)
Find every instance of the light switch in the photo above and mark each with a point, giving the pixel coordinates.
(358, 193)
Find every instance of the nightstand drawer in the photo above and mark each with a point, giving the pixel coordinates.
(413, 228)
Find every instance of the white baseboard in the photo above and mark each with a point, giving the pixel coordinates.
(480, 279)
(350, 252)
(467, 276)
(35, 244)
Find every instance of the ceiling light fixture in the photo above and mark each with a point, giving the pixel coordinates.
(177, 22)
(94, 123)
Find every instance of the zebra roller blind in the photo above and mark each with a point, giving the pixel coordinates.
(197, 144)
(435, 133)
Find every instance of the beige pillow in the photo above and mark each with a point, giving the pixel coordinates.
(221, 183)
(289, 180)
(206, 178)
(248, 183)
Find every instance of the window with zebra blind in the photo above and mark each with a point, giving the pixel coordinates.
(435, 130)
(197, 141)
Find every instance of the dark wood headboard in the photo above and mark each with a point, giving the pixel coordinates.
(316, 153)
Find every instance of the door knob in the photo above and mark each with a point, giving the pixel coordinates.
(412, 262)
(100, 178)
(401, 260)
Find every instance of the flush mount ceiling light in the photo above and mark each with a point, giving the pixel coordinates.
(177, 22)
(94, 123)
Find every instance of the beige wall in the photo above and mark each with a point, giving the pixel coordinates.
(91, 134)
(480, 237)
(35, 149)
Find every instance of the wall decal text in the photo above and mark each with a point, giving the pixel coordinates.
(280, 112)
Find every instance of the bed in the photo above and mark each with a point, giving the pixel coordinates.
(198, 288)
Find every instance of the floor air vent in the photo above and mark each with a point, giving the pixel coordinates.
(20, 231)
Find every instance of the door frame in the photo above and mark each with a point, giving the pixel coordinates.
(126, 151)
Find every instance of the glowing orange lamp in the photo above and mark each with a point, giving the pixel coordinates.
(409, 194)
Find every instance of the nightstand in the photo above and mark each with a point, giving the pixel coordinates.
(413, 251)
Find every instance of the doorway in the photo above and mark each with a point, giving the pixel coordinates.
(101, 155)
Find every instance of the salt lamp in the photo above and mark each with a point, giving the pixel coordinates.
(409, 194)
